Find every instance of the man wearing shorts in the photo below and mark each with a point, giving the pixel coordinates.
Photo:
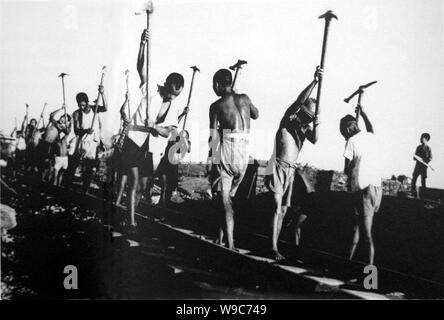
(88, 136)
(364, 179)
(231, 113)
(293, 130)
(161, 121)
(62, 127)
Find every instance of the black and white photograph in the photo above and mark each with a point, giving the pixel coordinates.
(222, 154)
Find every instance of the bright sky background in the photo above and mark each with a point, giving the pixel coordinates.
(397, 42)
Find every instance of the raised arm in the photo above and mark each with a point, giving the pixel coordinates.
(123, 108)
(141, 56)
(305, 94)
(53, 114)
(24, 125)
(104, 107)
(368, 124)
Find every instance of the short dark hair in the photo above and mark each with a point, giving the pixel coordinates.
(425, 136)
(175, 79)
(68, 117)
(345, 121)
(223, 77)
(82, 96)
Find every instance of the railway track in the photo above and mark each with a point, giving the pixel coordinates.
(192, 252)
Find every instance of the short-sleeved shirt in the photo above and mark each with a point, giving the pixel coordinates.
(362, 150)
(425, 153)
(169, 118)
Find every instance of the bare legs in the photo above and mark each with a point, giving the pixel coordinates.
(278, 218)
(58, 176)
(365, 225)
(297, 228)
(87, 176)
(229, 217)
(226, 222)
(134, 182)
(163, 190)
(122, 184)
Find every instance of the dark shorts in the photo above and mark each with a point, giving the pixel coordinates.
(303, 200)
(115, 163)
(420, 170)
(46, 152)
(170, 170)
(133, 156)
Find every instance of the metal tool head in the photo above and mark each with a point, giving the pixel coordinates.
(63, 75)
(238, 64)
(195, 69)
(127, 72)
(103, 69)
(147, 7)
(328, 16)
(360, 90)
(367, 85)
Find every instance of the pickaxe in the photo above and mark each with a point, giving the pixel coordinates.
(149, 9)
(96, 106)
(127, 90)
(41, 115)
(63, 75)
(327, 16)
(235, 67)
(360, 92)
(195, 69)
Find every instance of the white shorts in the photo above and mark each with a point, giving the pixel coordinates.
(61, 163)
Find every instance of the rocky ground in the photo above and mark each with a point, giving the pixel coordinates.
(56, 228)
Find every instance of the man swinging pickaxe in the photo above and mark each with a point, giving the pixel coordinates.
(235, 67)
(359, 92)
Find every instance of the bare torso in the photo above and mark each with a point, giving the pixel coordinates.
(233, 112)
(289, 139)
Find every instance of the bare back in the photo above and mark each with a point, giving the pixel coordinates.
(233, 112)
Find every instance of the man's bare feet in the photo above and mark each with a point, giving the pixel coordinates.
(218, 241)
(277, 256)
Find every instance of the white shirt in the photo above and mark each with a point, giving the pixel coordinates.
(156, 102)
(21, 144)
(362, 149)
(86, 122)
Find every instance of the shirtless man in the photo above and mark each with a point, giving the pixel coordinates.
(61, 127)
(32, 137)
(231, 113)
(293, 130)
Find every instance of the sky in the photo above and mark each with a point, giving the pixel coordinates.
(399, 43)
